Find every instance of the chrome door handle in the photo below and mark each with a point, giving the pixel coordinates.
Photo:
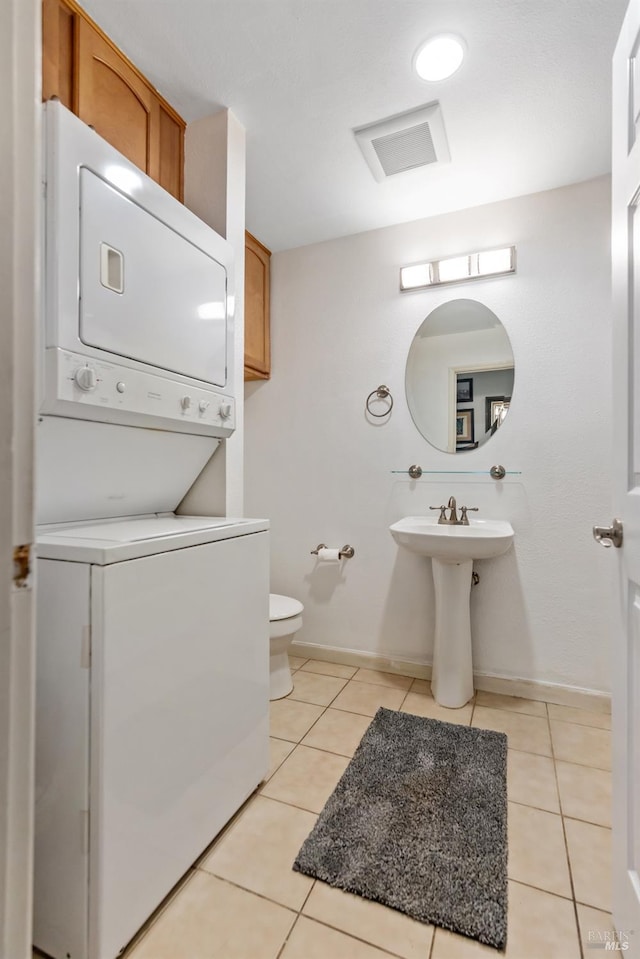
(609, 535)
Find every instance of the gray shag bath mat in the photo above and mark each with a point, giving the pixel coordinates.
(418, 822)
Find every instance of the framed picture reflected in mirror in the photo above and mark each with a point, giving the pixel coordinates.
(495, 410)
(464, 390)
(465, 427)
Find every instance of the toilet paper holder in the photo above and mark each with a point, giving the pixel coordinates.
(347, 552)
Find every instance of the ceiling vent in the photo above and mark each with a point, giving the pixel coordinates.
(404, 142)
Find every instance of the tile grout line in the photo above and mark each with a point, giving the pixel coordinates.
(314, 672)
(300, 743)
(287, 937)
(276, 902)
(573, 722)
(272, 774)
(547, 892)
(257, 792)
(297, 742)
(283, 802)
(564, 835)
(291, 698)
(383, 950)
(251, 892)
(306, 898)
(433, 943)
(324, 749)
(155, 916)
(571, 898)
(499, 695)
(518, 749)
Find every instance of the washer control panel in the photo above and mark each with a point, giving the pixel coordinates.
(86, 388)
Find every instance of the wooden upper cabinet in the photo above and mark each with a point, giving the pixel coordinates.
(58, 50)
(171, 152)
(94, 79)
(257, 335)
(116, 102)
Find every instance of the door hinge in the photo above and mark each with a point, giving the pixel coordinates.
(22, 565)
(85, 648)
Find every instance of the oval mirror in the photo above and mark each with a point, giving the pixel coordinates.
(459, 377)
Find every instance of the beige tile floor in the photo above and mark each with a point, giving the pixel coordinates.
(243, 901)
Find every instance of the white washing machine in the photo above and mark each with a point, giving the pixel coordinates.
(152, 628)
(152, 692)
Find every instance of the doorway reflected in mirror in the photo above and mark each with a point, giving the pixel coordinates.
(460, 376)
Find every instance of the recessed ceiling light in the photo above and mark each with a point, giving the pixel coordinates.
(439, 58)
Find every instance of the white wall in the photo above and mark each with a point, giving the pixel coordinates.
(214, 188)
(323, 472)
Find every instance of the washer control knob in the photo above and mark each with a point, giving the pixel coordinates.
(185, 402)
(120, 387)
(225, 411)
(203, 406)
(86, 378)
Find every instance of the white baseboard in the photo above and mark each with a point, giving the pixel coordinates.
(504, 685)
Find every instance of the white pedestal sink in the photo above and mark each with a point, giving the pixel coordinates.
(452, 550)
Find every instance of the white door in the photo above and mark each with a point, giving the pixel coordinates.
(19, 208)
(626, 358)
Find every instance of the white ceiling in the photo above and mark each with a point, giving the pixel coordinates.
(529, 110)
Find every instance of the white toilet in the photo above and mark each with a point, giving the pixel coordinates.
(285, 619)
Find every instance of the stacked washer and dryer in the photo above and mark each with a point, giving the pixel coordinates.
(153, 628)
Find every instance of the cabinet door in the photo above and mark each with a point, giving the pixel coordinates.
(171, 159)
(257, 334)
(82, 67)
(116, 102)
(58, 44)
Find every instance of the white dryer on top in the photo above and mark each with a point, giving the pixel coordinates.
(138, 294)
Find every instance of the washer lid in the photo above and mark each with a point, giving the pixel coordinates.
(283, 607)
(116, 540)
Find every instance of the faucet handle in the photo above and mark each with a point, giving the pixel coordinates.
(443, 516)
(464, 519)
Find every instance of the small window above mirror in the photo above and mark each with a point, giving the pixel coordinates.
(460, 376)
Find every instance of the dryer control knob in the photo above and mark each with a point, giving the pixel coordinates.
(203, 406)
(185, 402)
(225, 411)
(86, 378)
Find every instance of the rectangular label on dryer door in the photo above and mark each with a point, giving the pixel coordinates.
(147, 293)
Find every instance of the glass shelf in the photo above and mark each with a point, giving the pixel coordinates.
(459, 473)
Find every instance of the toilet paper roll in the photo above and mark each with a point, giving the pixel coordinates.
(326, 555)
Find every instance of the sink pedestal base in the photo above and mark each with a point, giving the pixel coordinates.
(452, 674)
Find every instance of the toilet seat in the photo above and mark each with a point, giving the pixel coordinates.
(283, 607)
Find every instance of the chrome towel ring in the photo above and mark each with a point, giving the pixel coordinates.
(381, 393)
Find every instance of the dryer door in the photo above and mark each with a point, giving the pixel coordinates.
(147, 293)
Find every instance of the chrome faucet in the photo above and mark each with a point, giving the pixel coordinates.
(453, 519)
